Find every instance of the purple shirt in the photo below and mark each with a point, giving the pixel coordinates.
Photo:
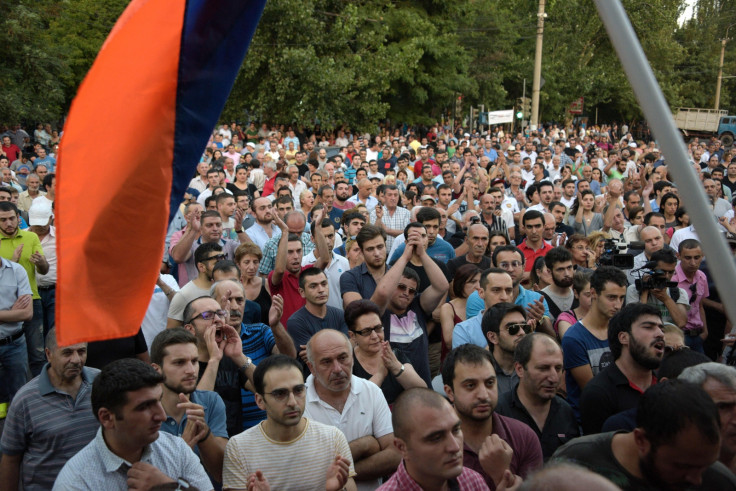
(468, 480)
(700, 288)
(523, 441)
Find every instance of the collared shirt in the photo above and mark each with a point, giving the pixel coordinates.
(370, 203)
(48, 243)
(48, 427)
(25, 200)
(214, 415)
(531, 254)
(699, 286)
(31, 244)
(13, 285)
(468, 480)
(338, 265)
(358, 280)
(258, 234)
(268, 262)
(522, 440)
(95, 467)
(559, 428)
(399, 220)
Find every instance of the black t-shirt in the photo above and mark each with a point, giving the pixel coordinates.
(454, 264)
(101, 353)
(227, 384)
(391, 387)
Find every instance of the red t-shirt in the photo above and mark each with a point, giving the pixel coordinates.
(11, 152)
(530, 254)
(289, 290)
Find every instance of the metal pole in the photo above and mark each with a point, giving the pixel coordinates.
(660, 119)
(720, 75)
(537, 66)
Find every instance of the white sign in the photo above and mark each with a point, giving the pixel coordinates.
(498, 117)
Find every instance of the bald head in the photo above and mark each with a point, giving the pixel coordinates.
(567, 477)
(325, 338)
(402, 415)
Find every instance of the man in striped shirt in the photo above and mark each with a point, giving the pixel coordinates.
(39, 433)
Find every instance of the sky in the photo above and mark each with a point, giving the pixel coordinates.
(688, 12)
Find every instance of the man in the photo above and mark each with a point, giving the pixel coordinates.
(719, 381)
(427, 433)
(37, 436)
(559, 211)
(352, 221)
(437, 247)
(197, 416)
(206, 229)
(675, 444)
(342, 193)
(559, 295)
(504, 325)
(284, 278)
(689, 277)
(496, 286)
(293, 452)
(533, 246)
(326, 197)
(546, 195)
(672, 302)
(336, 266)
(493, 443)
(296, 223)
(653, 242)
(491, 213)
(230, 214)
(405, 313)
(354, 405)
(392, 218)
(40, 215)
(24, 248)
(476, 240)
(538, 365)
(214, 181)
(200, 181)
(636, 341)
(360, 281)
(10, 150)
(364, 195)
(129, 451)
(205, 258)
(32, 192)
(585, 343)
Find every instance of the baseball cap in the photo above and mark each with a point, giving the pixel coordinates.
(193, 191)
(39, 213)
(426, 197)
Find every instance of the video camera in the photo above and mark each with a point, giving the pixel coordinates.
(656, 279)
(614, 255)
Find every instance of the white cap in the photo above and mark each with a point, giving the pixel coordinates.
(39, 213)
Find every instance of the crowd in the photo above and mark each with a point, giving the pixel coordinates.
(422, 308)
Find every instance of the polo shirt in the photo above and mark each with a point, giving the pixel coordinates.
(48, 427)
(214, 415)
(559, 428)
(358, 280)
(13, 285)
(31, 244)
(303, 324)
(522, 440)
(608, 393)
(289, 290)
(531, 254)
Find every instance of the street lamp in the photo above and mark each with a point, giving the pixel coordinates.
(720, 67)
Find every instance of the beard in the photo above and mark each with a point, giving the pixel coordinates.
(563, 283)
(179, 388)
(639, 354)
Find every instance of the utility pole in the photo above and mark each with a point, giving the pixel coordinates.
(537, 66)
(720, 68)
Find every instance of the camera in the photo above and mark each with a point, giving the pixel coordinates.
(657, 280)
(614, 255)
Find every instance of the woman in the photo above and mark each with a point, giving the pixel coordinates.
(668, 206)
(306, 199)
(540, 275)
(636, 219)
(582, 257)
(582, 217)
(353, 253)
(596, 244)
(465, 282)
(241, 182)
(597, 175)
(581, 289)
(451, 149)
(217, 158)
(495, 239)
(682, 220)
(374, 358)
(248, 258)
(401, 178)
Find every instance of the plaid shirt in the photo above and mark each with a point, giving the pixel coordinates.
(468, 480)
(401, 218)
(272, 246)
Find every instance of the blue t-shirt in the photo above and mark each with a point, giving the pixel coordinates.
(440, 250)
(580, 347)
(258, 343)
(214, 415)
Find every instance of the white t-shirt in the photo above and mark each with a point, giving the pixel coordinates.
(158, 308)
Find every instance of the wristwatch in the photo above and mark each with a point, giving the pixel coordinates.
(400, 371)
(248, 362)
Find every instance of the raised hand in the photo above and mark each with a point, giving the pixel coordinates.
(495, 457)
(276, 310)
(337, 474)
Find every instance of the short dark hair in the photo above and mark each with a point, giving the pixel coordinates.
(348, 216)
(604, 274)
(508, 248)
(357, 309)
(666, 256)
(491, 321)
(369, 232)
(110, 388)
(222, 197)
(530, 190)
(688, 244)
(7, 205)
(209, 213)
(225, 265)
(486, 274)
(428, 213)
(674, 362)
(622, 321)
(532, 215)
(283, 200)
(524, 348)
(671, 406)
(410, 274)
(466, 353)
(203, 251)
(169, 337)
(557, 255)
(545, 184)
(648, 217)
(410, 226)
(48, 179)
(189, 309)
(271, 363)
(326, 222)
(660, 185)
(313, 271)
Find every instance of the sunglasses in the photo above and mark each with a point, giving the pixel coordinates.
(210, 315)
(282, 394)
(368, 330)
(694, 292)
(513, 329)
(404, 288)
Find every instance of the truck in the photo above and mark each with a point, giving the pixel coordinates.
(706, 123)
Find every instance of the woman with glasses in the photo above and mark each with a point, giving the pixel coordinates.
(465, 282)
(374, 358)
(583, 259)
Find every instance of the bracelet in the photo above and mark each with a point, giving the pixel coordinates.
(400, 371)
(238, 231)
(209, 432)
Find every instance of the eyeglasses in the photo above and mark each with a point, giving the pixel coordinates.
(513, 329)
(404, 288)
(694, 292)
(219, 257)
(368, 330)
(210, 314)
(282, 394)
(512, 264)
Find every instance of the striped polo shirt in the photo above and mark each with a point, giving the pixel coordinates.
(48, 427)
